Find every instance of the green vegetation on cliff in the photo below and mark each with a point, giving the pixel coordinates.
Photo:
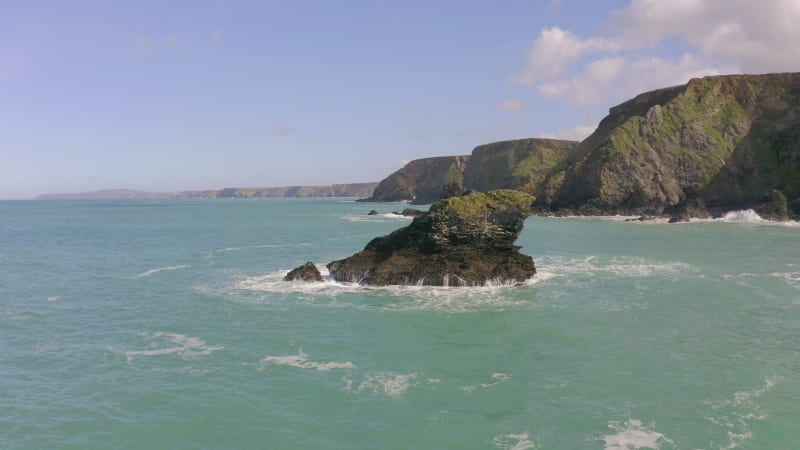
(728, 140)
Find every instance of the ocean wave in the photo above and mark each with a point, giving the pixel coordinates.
(54, 298)
(186, 346)
(747, 216)
(251, 247)
(388, 217)
(301, 361)
(511, 441)
(411, 298)
(621, 266)
(149, 272)
(496, 379)
(632, 435)
(391, 384)
(736, 413)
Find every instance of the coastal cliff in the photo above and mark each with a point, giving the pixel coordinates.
(520, 164)
(726, 142)
(422, 181)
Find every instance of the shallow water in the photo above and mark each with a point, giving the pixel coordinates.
(165, 324)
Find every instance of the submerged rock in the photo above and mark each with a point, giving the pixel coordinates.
(306, 272)
(467, 240)
(372, 212)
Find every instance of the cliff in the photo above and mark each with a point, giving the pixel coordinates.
(725, 141)
(422, 181)
(519, 164)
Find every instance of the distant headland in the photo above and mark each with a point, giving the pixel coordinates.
(358, 190)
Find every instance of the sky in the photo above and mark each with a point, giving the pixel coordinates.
(169, 95)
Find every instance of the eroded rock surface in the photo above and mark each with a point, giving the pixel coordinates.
(460, 241)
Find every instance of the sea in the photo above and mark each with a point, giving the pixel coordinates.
(165, 324)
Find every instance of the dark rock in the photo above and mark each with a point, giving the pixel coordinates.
(774, 207)
(691, 207)
(306, 272)
(372, 213)
(467, 240)
(411, 212)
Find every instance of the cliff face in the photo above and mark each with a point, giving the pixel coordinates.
(422, 180)
(726, 140)
(519, 164)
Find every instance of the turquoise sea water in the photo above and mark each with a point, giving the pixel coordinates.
(164, 324)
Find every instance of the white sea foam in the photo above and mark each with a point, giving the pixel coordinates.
(392, 384)
(620, 266)
(440, 298)
(497, 378)
(389, 217)
(54, 298)
(149, 272)
(633, 435)
(301, 361)
(251, 247)
(747, 216)
(186, 346)
(519, 441)
(736, 413)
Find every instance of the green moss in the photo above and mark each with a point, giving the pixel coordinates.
(482, 203)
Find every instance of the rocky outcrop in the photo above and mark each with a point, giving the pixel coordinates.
(466, 240)
(728, 140)
(410, 212)
(422, 181)
(774, 207)
(691, 207)
(520, 164)
(306, 272)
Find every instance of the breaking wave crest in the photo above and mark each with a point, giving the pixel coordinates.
(403, 298)
(632, 435)
(511, 441)
(391, 384)
(149, 272)
(301, 361)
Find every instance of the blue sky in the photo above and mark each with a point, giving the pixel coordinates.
(173, 95)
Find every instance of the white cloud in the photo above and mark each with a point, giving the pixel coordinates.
(577, 133)
(589, 86)
(513, 105)
(555, 51)
(720, 36)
